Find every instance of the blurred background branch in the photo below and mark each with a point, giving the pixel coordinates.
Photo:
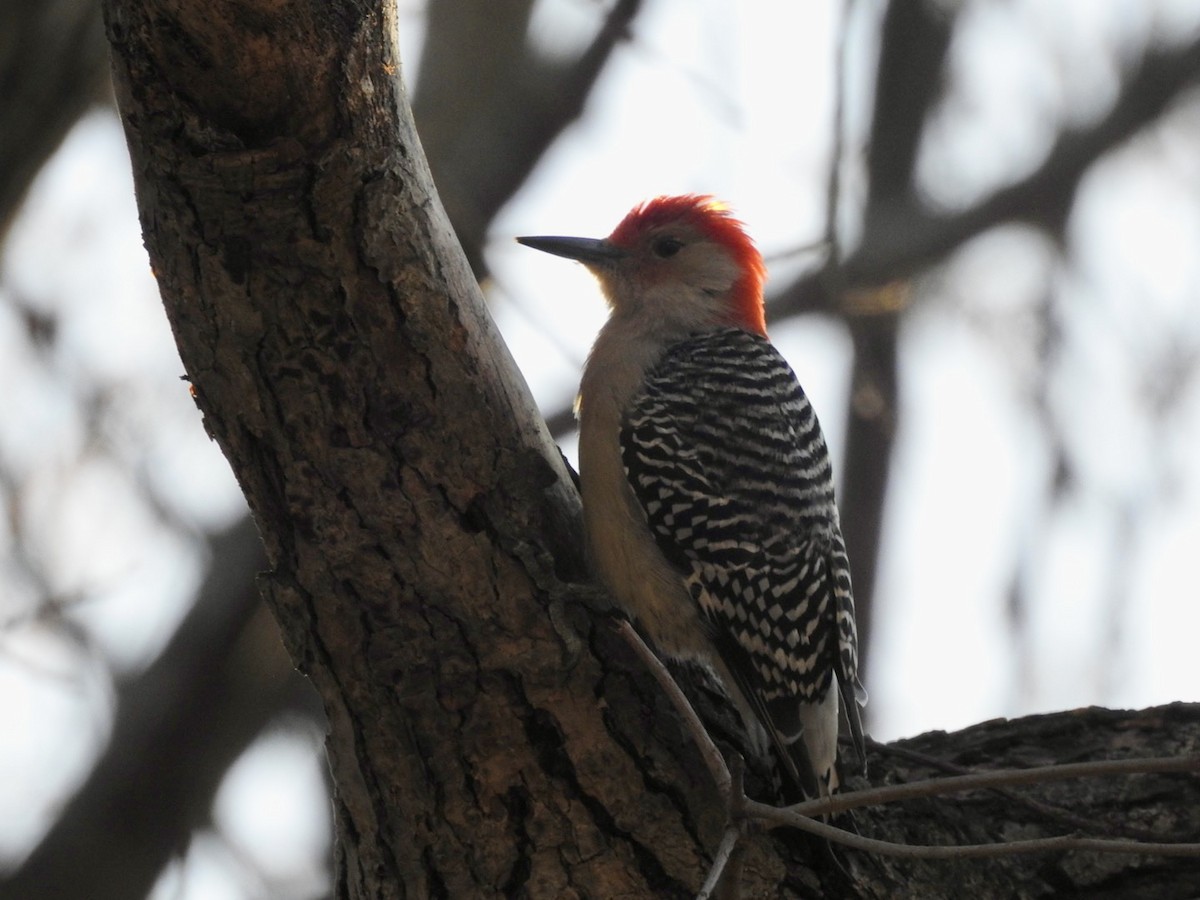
(486, 125)
(53, 66)
(179, 725)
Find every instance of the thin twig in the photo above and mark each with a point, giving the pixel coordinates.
(729, 841)
(742, 809)
(1046, 810)
(729, 778)
(708, 750)
(737, 787)
(726, 866)
(1056, 844)
(995, 778)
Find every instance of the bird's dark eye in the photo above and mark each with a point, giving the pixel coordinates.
(667, 246)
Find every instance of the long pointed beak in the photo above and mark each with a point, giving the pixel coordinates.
(585, 250)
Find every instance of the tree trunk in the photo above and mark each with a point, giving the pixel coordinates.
(420, 526)
(488, 734)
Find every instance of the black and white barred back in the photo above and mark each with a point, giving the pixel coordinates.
(727, 459)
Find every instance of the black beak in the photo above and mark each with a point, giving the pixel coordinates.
(585, 250)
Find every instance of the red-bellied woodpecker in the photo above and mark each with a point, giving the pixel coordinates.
(707, 490)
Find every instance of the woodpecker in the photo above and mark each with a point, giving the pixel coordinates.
(707, 488)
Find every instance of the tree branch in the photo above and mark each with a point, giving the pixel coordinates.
(999, 850)
(53, 65)
(178, 727)
(974, 781)
(487, 124)
(901, 236)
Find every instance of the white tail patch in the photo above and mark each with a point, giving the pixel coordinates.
(820, 721)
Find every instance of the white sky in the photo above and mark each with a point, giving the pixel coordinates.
(734, 101)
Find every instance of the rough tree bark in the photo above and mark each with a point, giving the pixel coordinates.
(488, 735)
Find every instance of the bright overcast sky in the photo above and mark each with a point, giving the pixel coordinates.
(734, 100)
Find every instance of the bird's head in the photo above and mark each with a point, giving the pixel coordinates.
(683, 261)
